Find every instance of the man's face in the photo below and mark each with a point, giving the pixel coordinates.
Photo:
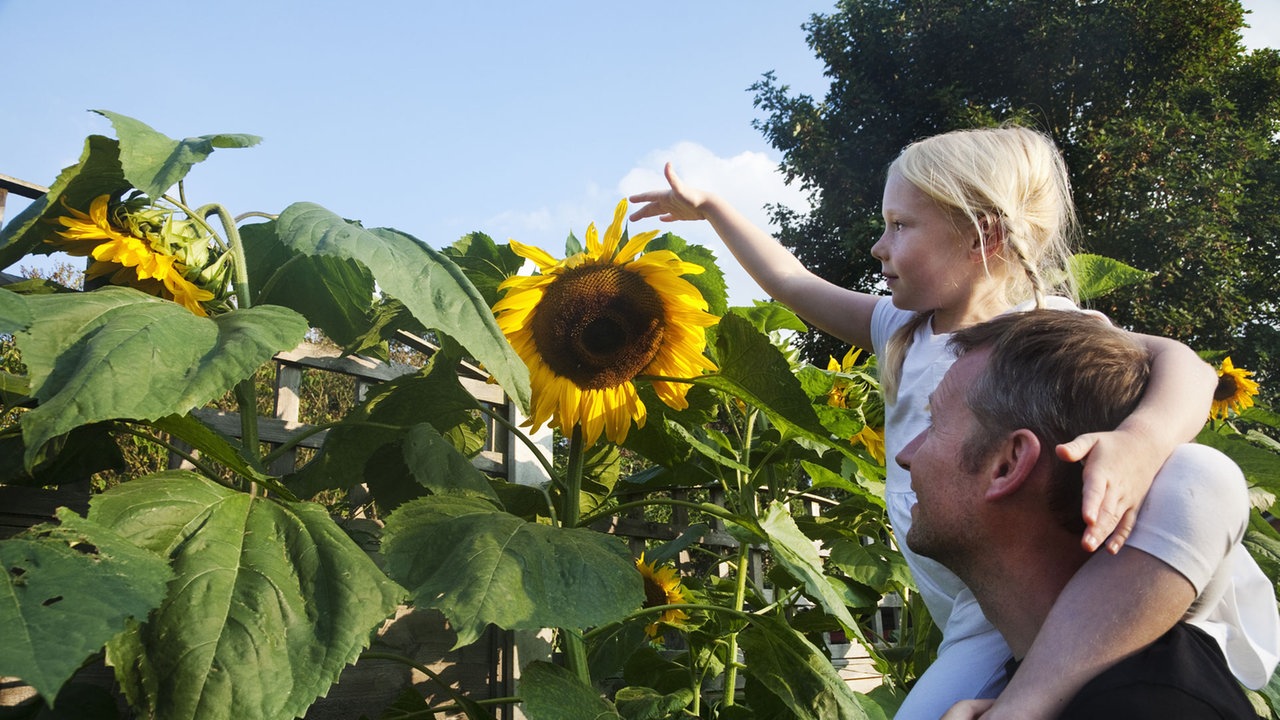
(946, 491)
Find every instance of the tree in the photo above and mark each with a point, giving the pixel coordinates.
(1169, 127)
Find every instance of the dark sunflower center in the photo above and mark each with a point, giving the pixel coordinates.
(599, 325)
(1227, 388)
(654, 595)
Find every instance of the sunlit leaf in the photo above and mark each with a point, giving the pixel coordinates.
(640, 703)
(68, 589)
(430, 285)
(800, 675)
(480, 565)
(153, 162)
(270, 600)
(485, 263)
(552, 693)
(1097, 275)
(118, 353)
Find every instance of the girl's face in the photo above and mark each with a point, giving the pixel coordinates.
(928, 259)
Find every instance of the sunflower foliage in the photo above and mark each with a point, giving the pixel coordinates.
(228, 590)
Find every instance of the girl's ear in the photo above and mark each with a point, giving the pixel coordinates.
(989, 238)
(1015, 461)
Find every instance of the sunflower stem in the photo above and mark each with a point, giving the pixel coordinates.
(739, 597)
(575, 647)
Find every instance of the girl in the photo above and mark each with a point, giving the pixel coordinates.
(978, 222)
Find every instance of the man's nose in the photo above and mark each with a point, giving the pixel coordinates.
(903, 458)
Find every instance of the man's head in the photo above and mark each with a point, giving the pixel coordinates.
(1022, 384)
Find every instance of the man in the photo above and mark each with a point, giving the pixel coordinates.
(996, 505)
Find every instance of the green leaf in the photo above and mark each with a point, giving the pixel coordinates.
(769, 316)
(873, 564)
(552, 693)
(752, 369)
(439, 467)
(430, 285)
(209, 443)
(334, 294)
(68, 589)
(800, 675)
(641, 703)
(118, 353)
(480, 565)
(270, 600)
(153, 162)
(69, 458)
(1097, 275)
(796, 552)
(97, 173)
(14, 315)
(485, 263)
(365, 446)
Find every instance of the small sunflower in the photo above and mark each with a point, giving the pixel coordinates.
(1235, 390)
(127, 259)
(839, 394)
(661, 587)
(589, 324)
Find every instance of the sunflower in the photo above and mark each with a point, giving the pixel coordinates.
(871, 438)
(589, 324)
(1235, 390)
(127, 259)
(661, 587)
(838, 396)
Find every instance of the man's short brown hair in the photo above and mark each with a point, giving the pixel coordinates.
(1059, 374)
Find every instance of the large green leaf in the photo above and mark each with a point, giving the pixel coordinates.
(154, 162)
(485, 263)
(70, 458)
(552, 693)
(430, 285)
(1260, 465)
(14, 315)
(800, 675)
(480, 565)
(334, 294)
(368, 444)
(270, 600)
(1097, 275)
(795, 552)
(118, 353)
(68, 589)
(97, 173)
(752, 369)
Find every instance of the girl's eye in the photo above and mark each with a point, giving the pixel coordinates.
(897, 226)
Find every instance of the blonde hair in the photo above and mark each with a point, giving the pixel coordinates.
(1010, 183)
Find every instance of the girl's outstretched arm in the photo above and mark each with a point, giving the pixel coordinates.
(843, 313)
(1120, 465)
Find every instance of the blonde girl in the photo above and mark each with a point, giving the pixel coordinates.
(977, 223)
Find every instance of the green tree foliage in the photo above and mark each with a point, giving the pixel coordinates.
(1168, 124)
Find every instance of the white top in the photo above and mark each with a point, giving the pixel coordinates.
(1193, 519)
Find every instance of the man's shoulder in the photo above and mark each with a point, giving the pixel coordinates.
(1182, 674)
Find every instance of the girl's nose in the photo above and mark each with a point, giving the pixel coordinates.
(877, 250)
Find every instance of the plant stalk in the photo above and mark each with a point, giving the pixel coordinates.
(575, 647)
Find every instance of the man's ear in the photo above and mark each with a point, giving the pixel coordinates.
(1014, 462)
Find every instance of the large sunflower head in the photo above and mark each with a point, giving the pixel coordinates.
(127, 255)
(661, 587)
(589, 324)
(1235, 390)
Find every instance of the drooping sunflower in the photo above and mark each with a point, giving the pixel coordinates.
(127, 259)
(1235, 390)
(661, 587)
(588, 325)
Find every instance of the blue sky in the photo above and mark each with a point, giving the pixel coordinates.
(523, 120)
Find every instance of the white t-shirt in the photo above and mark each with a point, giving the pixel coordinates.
(1192, 519)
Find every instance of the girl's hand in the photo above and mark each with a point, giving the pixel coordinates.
(1118, 470)
(678, 203)
(967, 710)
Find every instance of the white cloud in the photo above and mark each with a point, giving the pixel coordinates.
(748, 181)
